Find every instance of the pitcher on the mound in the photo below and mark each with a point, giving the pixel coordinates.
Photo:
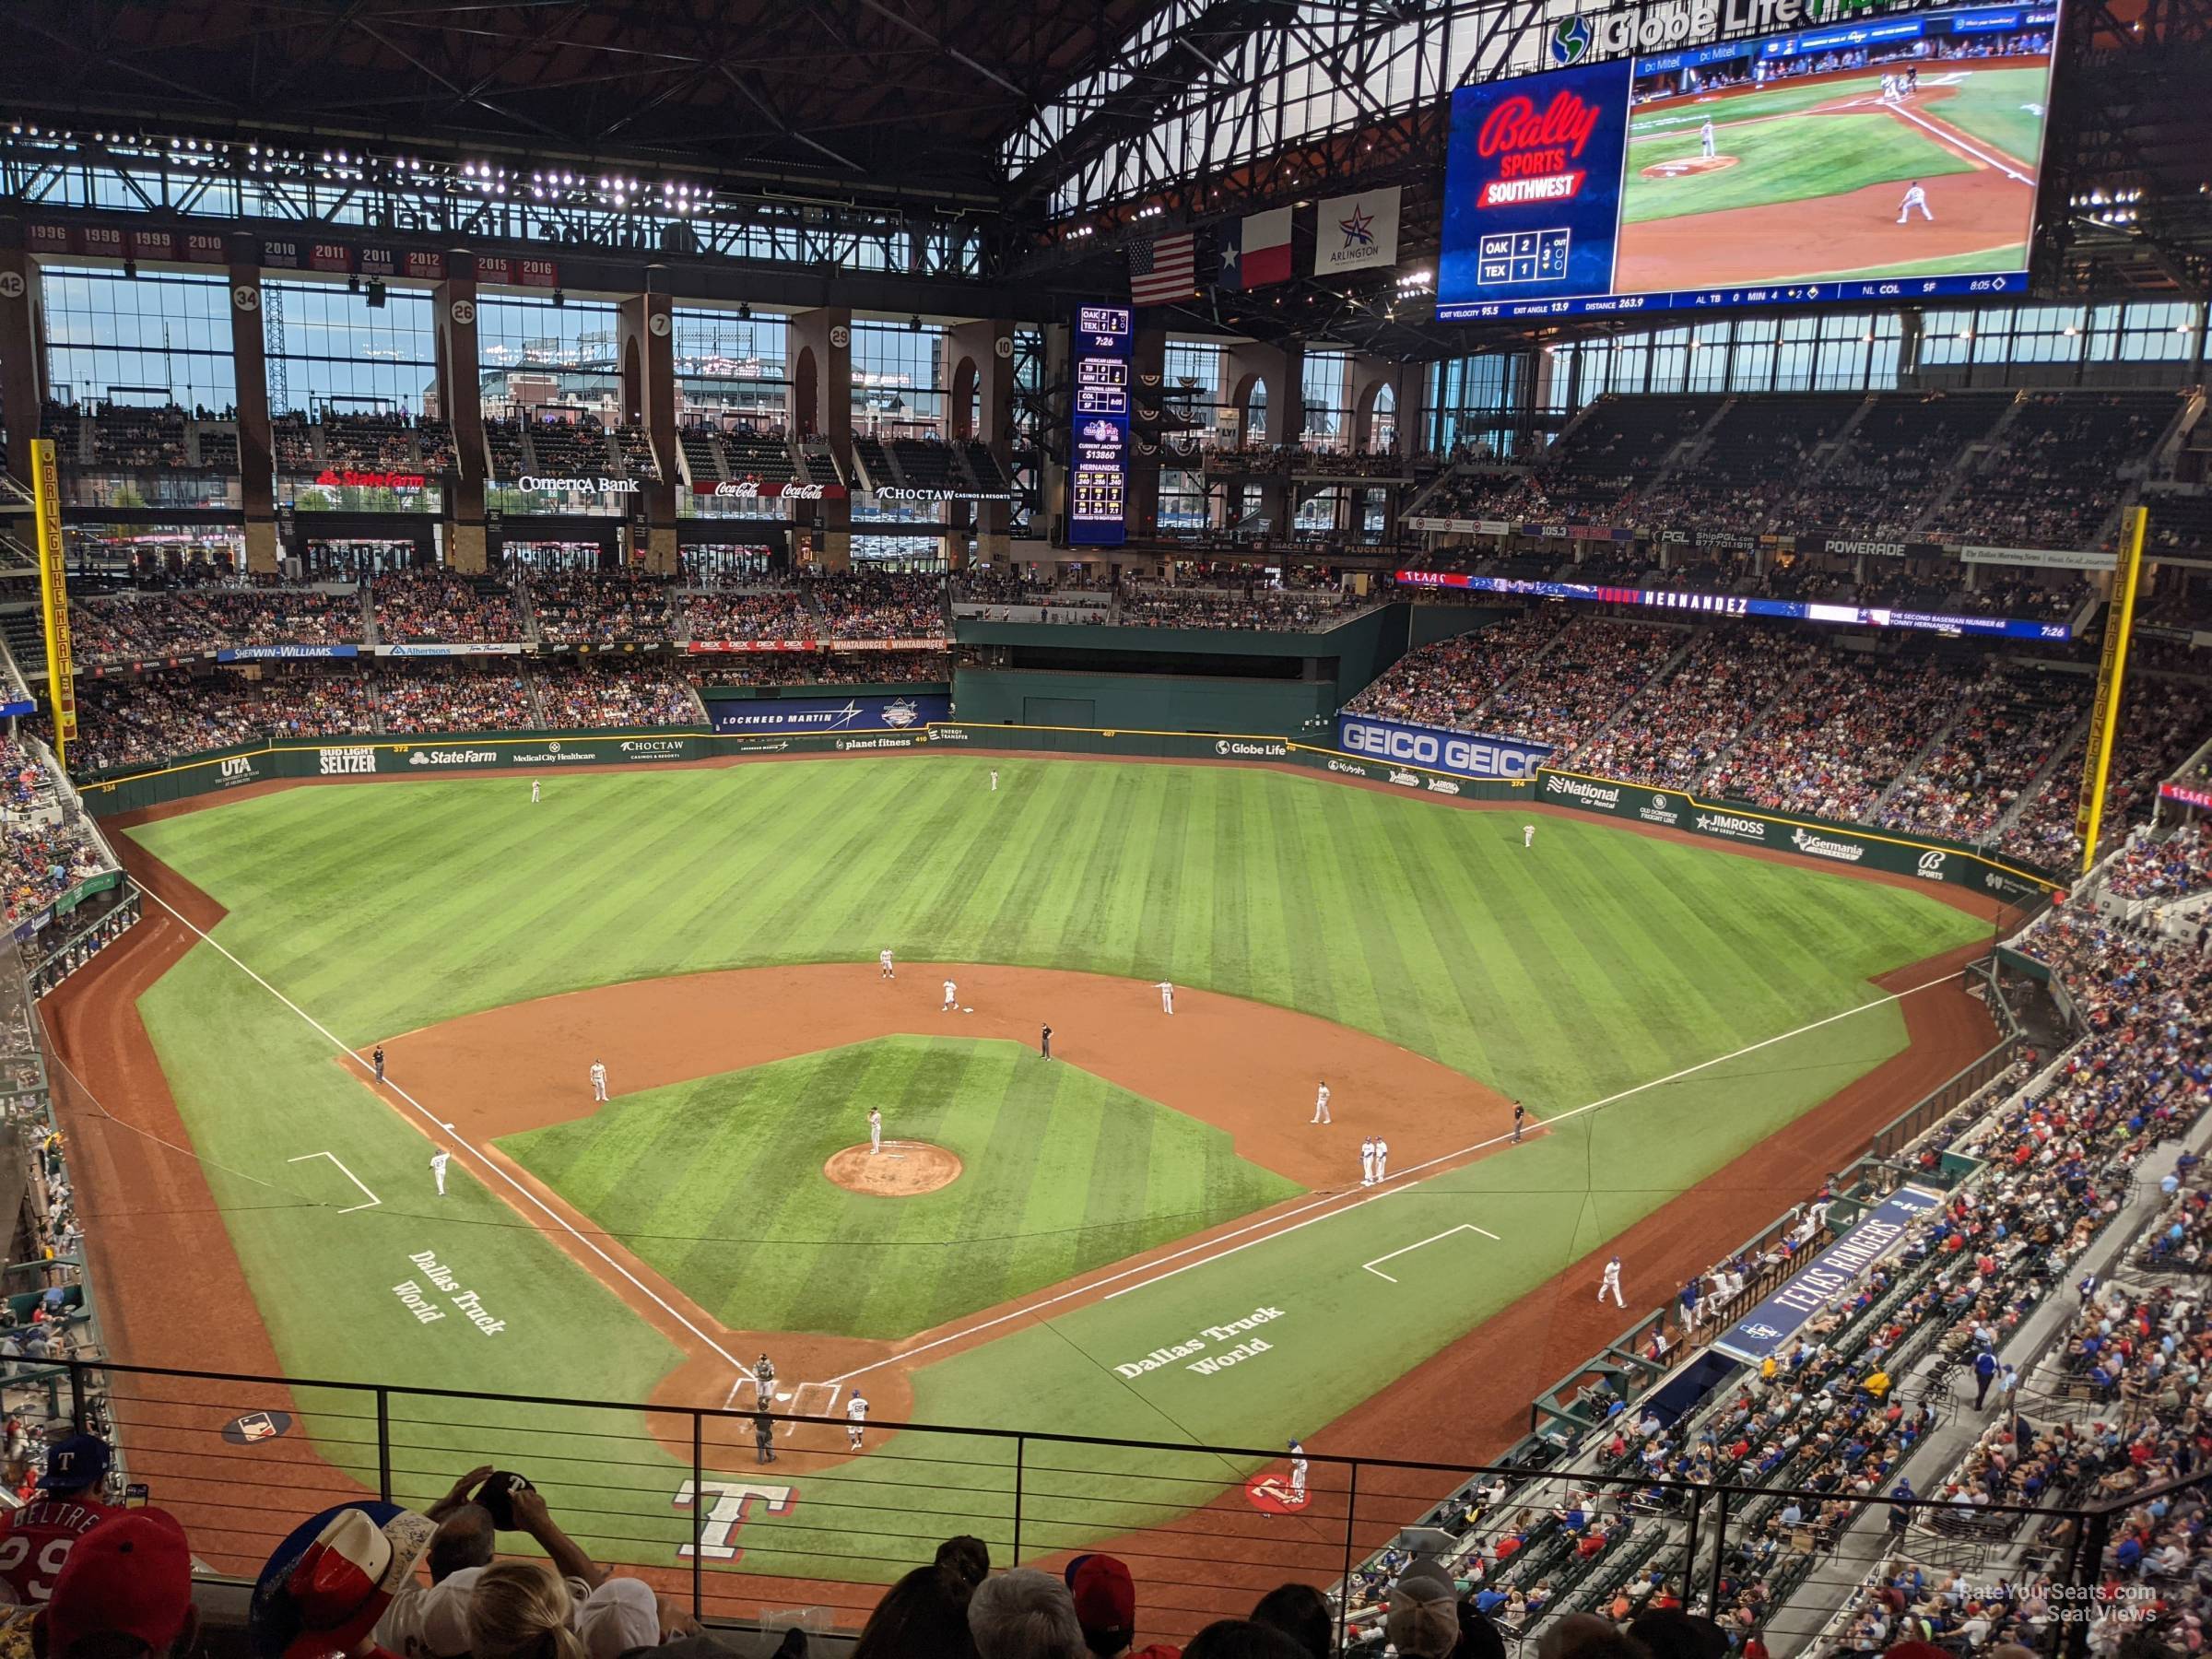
(875, 1130)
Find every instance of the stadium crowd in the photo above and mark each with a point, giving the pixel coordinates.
(44, 853)
(437, 605)
(457, 695)
(616, 692)
(147, 722)
(592, 609)
(199, 619)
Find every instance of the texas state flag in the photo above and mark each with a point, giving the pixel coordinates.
(1255, 251)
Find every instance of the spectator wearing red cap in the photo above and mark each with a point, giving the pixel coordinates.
(1105, 1598)
(124, 1592)
(66, 1508)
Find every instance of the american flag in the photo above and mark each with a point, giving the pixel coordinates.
(1163, 269)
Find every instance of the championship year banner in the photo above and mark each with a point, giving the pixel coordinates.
(1463, 754)
(778, 715)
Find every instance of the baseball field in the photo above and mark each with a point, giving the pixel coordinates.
(1143, 1237)
(1806, 177)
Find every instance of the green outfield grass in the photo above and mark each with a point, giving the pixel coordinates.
(2003, 107)
(1063, 1173)
(1782, 161)
(1591, 964)
(2012, 257)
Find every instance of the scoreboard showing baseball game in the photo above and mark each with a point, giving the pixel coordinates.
(1891, 158)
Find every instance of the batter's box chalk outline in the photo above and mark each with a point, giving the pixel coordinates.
(1375, 1267)
(373, 1199)
(807, 1391)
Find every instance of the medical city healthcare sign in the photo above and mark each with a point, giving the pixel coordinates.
(1463, 754)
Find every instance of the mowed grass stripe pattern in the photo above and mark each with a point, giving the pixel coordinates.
(718, 1183)
(1593, 963)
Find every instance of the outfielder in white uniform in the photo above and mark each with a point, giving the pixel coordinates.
(1297, 1472)
(1367, 1162)
(1705, 144)
(1611, 1282)
(875, 1130)
(534, 792)
(1914, 197)
(438, 1159)
(883, 965)
(995, 780)
(952, 997)
(1320, 1105)
(1167, 996)
(1382, 1158)
(598, 1079)
(1528, 835)
(856, 1413)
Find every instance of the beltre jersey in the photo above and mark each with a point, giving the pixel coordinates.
(35, 1541)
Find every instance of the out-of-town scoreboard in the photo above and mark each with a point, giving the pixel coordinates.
(1098, 477)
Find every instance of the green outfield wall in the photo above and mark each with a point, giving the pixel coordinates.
(1731, 823)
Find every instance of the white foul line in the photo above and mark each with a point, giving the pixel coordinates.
(1945, 136)
(560, 1220)
(1326, 1199)
(373, 1199)
(1463, 1226)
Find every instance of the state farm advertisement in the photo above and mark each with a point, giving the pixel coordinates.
(1532, 184)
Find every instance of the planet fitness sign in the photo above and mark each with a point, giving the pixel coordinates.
(1466, 753)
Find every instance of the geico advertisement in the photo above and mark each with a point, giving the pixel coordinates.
(1461, 752)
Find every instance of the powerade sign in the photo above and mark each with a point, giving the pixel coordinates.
(781, 715)
(1468, 755)
(1836, 1271)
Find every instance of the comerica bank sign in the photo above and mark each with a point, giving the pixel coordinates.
(1468, 754)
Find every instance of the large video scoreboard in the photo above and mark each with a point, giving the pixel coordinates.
(1892, 158)
(1098, 472)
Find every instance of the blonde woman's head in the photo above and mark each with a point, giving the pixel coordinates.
(521, 1610)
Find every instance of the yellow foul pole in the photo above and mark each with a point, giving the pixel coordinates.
(2111, 675)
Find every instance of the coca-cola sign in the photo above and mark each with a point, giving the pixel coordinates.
(754, 489)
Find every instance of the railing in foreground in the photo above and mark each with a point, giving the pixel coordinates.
(680, 1496)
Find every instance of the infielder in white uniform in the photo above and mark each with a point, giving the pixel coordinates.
(1914, 197)
(952, 997)
(1382, 1158)
(1705, 137)
(1167, 996)
(883, 965)
(1528, 835)
(438, 1159)
(1320, 1105)
(875, 1130)
(856, 1413)
(534, 792)
(1367, 1162)
(1611, 1282)
(1297, 1472)
(598, 1079)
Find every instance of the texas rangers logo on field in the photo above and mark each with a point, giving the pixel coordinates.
(728, 1505)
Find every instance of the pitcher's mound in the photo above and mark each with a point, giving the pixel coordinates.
(1687, 166)
(902, 1169)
